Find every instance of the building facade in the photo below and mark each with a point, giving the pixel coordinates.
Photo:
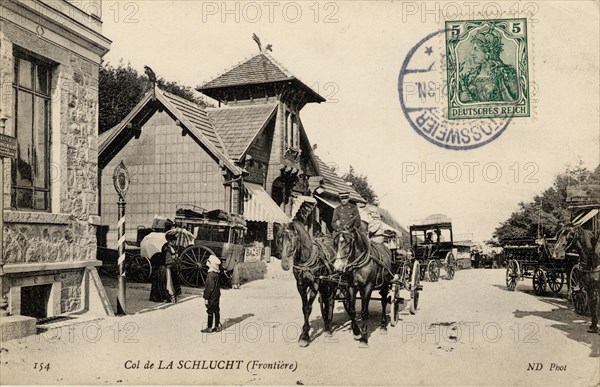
(174, 157)
(50, 55)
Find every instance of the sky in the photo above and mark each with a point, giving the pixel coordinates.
(352, 52)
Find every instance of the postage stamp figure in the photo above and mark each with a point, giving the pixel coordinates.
(487, 68)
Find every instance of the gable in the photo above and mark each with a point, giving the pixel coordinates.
(238, 126)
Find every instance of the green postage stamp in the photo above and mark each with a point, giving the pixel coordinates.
(487, 66)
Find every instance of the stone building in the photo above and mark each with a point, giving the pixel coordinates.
(50, 53)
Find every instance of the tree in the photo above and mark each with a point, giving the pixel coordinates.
(121, 87)
(544, 215)
(360, 183)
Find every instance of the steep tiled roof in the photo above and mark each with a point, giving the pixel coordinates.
(198, 116)
(261, 68)
(192, 117)
(334, 184)
(258, 69)
(238, 126)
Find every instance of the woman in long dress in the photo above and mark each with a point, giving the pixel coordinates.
(163, 287)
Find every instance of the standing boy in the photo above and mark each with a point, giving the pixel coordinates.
(212, 295)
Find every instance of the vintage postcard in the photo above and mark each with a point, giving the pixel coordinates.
(327, 193)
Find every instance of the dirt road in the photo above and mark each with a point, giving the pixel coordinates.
(469, 331)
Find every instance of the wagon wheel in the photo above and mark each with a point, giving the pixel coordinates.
(138, 268)
(395, 307)
(192, 265)
(450, 266)
(539, 282)
(512, 275)
(579, 295)
(433, 270)
(414, 288)
(580, 301)
(575, 279)
(556, 280)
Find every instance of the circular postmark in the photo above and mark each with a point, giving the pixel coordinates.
(423, 94)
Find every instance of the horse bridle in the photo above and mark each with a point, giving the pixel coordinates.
(313, 261)
(357, 263)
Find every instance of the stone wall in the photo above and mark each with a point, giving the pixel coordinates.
(66, 233)
(70, 299)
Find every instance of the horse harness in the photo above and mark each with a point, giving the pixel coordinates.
(316, 260)
(376, 255)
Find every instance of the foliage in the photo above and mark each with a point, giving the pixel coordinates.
(544, 215)
(121, 87)
(360, 183)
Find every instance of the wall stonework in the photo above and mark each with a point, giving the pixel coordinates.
(63, 234)
(73, 161)
(70, 299)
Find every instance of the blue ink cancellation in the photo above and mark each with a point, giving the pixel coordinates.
(423, 97)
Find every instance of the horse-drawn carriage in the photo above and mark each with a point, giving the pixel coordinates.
(200, 233)
(340, 267)
(542, 259)
(433, 252)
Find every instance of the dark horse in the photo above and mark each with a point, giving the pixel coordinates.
(311, 260)
(587, 246)
(366, 266)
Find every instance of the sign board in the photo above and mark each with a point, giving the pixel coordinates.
(270, 231)
(121, 179)
(8, 146)
(253, 254)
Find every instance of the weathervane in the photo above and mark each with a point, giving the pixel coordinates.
(268, 47)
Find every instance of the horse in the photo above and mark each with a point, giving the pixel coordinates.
(367, 267)
(587, 246)
(311, 262)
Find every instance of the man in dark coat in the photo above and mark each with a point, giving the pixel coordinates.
(212, 295)
(346, 215)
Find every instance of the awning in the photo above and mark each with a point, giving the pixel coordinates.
(259, 207)
(300, 201)
(331, 203)
(581, 220)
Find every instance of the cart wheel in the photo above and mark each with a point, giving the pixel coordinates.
(414, 288)
(433, 270)
(395, 307)
(138, 268)
(575, 279)
(556, 280)
(450, 266)
(192, 266)
(512, 275)
(580, 301)
(539, 282)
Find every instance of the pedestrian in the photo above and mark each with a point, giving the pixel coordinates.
(212, 295)
(163, 289)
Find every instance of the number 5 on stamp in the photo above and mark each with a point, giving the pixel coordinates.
(487, 68)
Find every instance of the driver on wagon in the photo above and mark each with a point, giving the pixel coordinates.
(346, 216)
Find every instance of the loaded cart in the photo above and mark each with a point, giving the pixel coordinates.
(200, 234)
(215, 232)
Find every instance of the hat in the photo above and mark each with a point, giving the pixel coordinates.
(344, 195)
(214, 260)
